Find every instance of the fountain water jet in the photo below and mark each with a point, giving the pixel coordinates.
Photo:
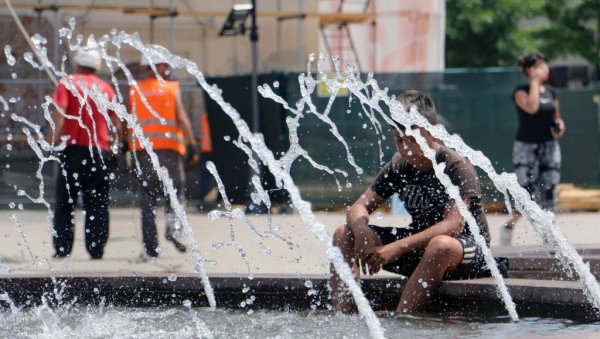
(280, 168)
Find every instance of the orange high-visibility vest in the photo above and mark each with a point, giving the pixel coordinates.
(162, 99)
(204, 138)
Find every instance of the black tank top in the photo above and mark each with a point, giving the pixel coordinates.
(535, 128)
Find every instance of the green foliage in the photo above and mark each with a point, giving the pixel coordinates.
(485, 33)
(571, 30)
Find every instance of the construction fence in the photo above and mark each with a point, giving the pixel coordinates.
(474, 104)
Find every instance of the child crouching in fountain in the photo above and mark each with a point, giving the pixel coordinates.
(437, 245)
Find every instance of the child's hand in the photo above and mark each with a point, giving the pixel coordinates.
(376, 258)
(365, 242)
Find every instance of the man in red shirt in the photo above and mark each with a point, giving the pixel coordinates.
(84, 162)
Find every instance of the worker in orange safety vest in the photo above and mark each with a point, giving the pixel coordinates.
(159, 111)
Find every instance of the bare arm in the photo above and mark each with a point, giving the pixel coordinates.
(116, 122)
(556, 117)
(451, 225)
(357, 219)
(59, 121)
(183, 121)
(529, 102)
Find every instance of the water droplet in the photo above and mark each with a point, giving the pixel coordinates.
(187, 303)
(10, 59)
(276, 84)
(172, 277)
(424, 284)
(72, 23)
(364, 126)
(214, 215)
(226, 138)
(308, 284)
(13, 75)
(9, 147)
(11, 205)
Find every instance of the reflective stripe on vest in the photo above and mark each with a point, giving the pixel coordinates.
(164, 134)
(204, 138)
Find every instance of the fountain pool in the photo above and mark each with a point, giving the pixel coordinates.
(105, 322)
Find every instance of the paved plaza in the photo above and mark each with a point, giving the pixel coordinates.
(277, 244)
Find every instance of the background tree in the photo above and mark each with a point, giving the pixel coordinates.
(486, 33)
(572, 30)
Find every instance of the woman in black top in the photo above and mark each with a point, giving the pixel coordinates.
(536, 152)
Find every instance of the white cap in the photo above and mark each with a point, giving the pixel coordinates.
(154, 55)
(90, 58)
(145, 62)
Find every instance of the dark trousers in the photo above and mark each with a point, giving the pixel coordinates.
(151, 190)
(82, 171)
(206, 179)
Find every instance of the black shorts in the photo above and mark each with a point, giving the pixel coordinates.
(472, 265)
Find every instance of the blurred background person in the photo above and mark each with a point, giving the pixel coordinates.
(86, 159)
(536, 151)
(169, 142)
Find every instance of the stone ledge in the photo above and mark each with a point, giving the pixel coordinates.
(558, 299)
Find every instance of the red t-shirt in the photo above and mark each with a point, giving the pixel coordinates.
(91, 117)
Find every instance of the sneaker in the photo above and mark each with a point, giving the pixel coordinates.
(179, 246)
(506, 235)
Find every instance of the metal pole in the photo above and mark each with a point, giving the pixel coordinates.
(278, 67)
(258, 208)
(152, 17)
(56, 34)
(300, 55)
(171, 15)
(39, 89)
(254, 41)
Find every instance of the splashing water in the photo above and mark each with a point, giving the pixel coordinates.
(506, 183)
(371, 97)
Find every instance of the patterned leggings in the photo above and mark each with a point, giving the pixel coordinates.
(538, 170)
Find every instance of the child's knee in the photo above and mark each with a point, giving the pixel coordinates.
(342, 235)
(443, 246)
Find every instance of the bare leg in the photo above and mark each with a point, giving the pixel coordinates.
(513, 220)
(341, 299)
(506, 230)
(443, 254)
